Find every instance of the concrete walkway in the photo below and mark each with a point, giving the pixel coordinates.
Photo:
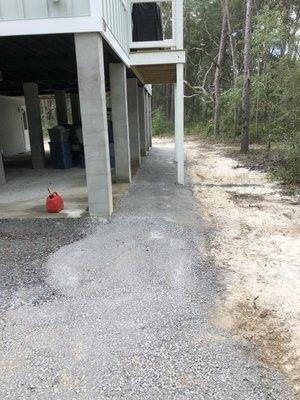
(130, 311)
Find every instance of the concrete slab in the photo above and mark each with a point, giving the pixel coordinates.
(24, 194)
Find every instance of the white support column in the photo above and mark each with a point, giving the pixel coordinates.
(119, 108)
(178, 23)
(179, 123)
(176, 144)
(61, 107)
(75, 107)
(134, 126)
(2, 172)
(143, 116)
(147, 127)
(91, 80)
(33, 110)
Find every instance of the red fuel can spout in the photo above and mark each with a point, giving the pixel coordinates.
(54, 202)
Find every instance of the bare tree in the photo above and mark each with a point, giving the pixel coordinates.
(218, 72)
(231, 41)
(235, 71)
(246, 84)
(169, 101)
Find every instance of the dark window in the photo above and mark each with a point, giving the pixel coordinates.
(147, 22)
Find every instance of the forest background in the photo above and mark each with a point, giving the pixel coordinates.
(242, 80)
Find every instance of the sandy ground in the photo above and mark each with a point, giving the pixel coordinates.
(255, 236)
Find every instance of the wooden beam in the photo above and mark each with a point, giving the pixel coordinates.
(156, 74)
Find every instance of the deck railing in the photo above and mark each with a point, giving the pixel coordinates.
(116, 15)
(176, 40)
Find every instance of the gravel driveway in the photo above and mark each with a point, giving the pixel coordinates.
(122, 310)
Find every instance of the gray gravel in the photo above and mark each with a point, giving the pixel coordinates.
(25, 245)
(125, 313)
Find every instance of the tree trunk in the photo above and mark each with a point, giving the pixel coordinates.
(218, 74)
(246, 85)
(257, 103)
(231, 41)
(234, 66)
(170, 101)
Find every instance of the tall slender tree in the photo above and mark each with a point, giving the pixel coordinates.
(219, 71)
(247, 75)
(231, 41)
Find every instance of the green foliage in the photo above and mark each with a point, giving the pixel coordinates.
(231, 110)
(198, 129)
(269, 32)
(275, 76)
(287, 170)
(161, 126)
(48, 114)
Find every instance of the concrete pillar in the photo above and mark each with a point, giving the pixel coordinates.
(150, 119)
(91, 80)
(2, 172)
(134, 126)
(143, 116)
(147, 126)
(179, 123)
(61, 107)
(32, 103)
(75, 107)
(119, 108)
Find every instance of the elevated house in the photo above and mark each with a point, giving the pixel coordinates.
(86, 49)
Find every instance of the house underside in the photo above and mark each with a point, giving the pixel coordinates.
(98, 87)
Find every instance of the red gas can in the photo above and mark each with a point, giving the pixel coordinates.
(54, 203)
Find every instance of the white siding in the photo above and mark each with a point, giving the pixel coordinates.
(12, 139)
(28, 9)
(80, 7)
(34, 9)
(9, 9)
(117, 18)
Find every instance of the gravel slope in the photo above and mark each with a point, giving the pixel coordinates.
(126, 313)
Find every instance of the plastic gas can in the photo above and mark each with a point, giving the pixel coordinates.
(54, 203)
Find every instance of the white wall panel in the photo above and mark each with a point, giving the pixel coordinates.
(35, 9)
(12, 140)
(9, 9)
(28, 9)
(57, 8)
(81, 7)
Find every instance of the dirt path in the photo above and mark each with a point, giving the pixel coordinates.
(256, 238)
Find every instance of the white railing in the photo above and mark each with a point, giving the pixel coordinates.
(117, 18)
(176, 40)
(116, 15)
